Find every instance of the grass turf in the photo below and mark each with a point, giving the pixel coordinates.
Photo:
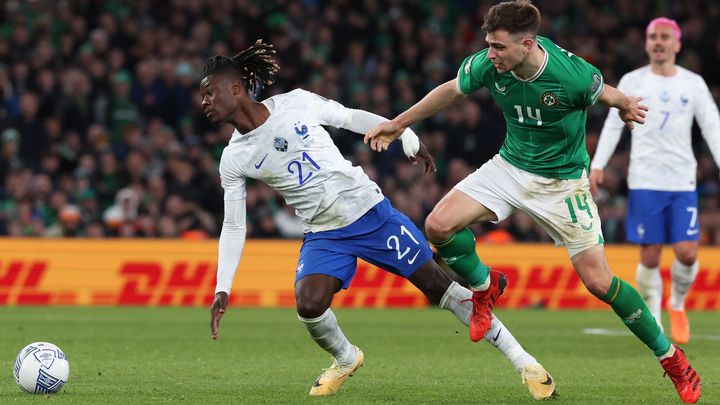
(151, 355)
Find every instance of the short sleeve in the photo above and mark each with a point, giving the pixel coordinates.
(589, 83)
(471, 72)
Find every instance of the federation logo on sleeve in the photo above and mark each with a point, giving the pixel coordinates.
(596, 83)
(549, 99)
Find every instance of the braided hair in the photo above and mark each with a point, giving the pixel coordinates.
(256, 66)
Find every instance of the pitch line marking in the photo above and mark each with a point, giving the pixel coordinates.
(623, 332)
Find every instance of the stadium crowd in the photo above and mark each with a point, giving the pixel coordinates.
(101, 133)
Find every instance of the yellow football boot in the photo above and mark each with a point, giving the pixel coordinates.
(538, 381)
(333, 378)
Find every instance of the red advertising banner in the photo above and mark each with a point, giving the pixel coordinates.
(182, 273)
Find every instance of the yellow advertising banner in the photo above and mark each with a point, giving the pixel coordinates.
(182, 273)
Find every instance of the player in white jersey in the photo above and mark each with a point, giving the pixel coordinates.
(662, 202)
(281, 142)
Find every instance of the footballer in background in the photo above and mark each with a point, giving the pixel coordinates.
(662, 201)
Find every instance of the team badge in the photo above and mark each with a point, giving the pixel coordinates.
(280, 144)
(302, 131)
(549, 99)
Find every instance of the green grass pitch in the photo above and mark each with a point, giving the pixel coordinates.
(152, 355)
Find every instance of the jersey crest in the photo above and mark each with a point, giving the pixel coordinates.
(549, 99)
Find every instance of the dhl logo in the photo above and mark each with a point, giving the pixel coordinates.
(20, 283)
(192, 283)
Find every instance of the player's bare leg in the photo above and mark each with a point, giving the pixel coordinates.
(314, 295)
(455, 243)
(592, 267)
(684, 270)
(442, 291)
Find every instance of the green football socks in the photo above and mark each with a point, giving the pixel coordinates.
(459, 253)
(630, 307)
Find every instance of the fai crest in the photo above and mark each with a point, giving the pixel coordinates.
(281, 144)
(549, 99)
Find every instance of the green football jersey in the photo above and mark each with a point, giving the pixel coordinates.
(545, 114)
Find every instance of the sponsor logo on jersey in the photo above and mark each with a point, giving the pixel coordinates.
(280, 144)
(664, 96)
(499, 89)
(257, 165)
(549, 99)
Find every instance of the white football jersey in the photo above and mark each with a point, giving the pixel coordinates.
(292, 153)
(661, 155)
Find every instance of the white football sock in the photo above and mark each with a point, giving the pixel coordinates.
(669, 353)
(650, 287)
(682, 278)
(457, 300)
(327, 334)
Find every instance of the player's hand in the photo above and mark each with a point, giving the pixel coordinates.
(383, 135)
(216, 312)
(596, 177)
(426, 157)
(634, 112)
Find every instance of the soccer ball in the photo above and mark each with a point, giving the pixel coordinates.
(41, 368)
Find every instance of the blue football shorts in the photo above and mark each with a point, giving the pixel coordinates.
(662, 216)
(384, 237)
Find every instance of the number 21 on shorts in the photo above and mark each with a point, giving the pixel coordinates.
(393, 243)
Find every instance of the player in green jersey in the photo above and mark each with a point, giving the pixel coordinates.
(543, 91)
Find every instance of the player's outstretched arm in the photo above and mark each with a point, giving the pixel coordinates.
(440, 98)
(629, 107)
(216, 312)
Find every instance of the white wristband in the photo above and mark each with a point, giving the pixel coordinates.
(410, 142)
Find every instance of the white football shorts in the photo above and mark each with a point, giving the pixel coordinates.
(565, 208)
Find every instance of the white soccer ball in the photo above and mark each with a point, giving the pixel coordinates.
(41, 368)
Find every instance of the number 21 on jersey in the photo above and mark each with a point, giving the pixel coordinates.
(296, 165)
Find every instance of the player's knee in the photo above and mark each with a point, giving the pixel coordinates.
(686, 256)
(650, 258)
(311, 306)
(436, 229)
(597, 287)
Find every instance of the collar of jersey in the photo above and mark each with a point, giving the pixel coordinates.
(539, 71)
(237, 135)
